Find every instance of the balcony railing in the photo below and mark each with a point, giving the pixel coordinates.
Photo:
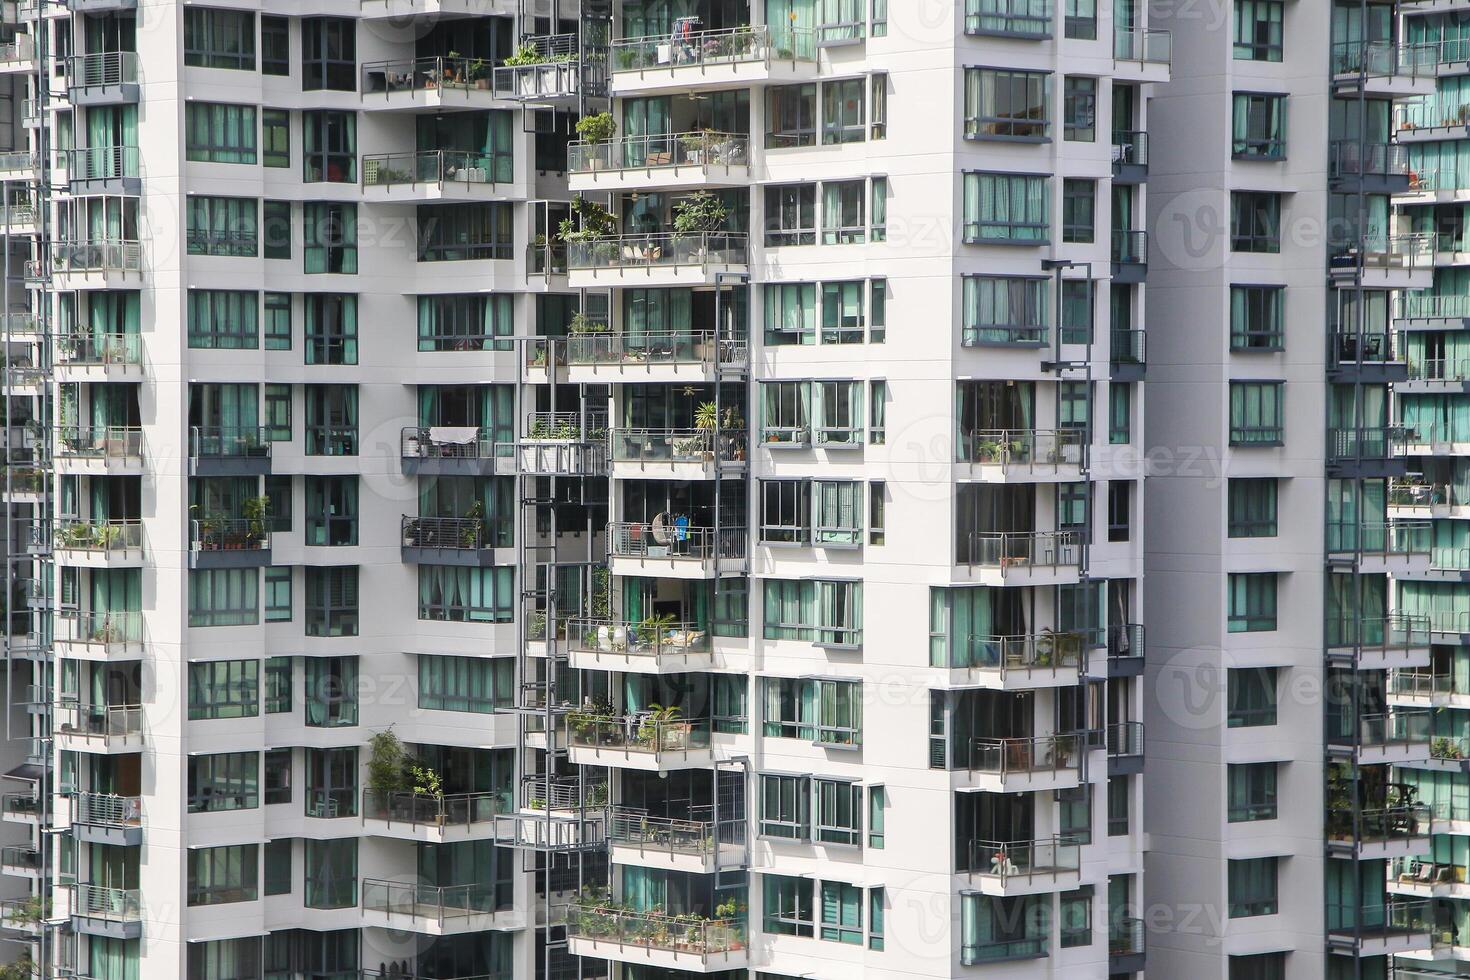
(756, 43)
(97, 256)
(662, 249)
(229, 534)
(1130, 247)
(455, 533)
(1434, 112)
(1350, 158)
(1412, 682)
(102, 68)
(427, 902)
(103, 162)
(437, 167)
(1372, 443)
(638, 733)
(650, 349)
(1384, 59)
(1127, 347)
(1025, 756)
(703, 148)
(228, 442)
(19, 160)
(1385, 634)
(1125, 936)
(1439, 369)
(650, 638)
(1393, 538)
(1022, 549)
(1403, 726)
(1130, 148)
(114, 904)
(449, 442)
(107, 810)
(26, 858)
(1125, 640)
(1384, 824)
(1024, 860)
(1124, 738)
(26, 805)
(673, 541)
(1143, 44)
(633, 827)
(106, 537)
(104, 628)
(679, 933)
(104, 721)
(97, 349)
(458, 75)
(413, 810)
(21, 48)
(1023, 448)
(675, 445)
(1048, 650)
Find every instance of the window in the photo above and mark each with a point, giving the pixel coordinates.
(877, 412)
(791, 313)
(1005, 208)
(827, 712)
(785, 413)
(842, 913)
(1078, 207)
(1079, 109)
(842, 212)
(1074, 813)
(329, 147)
(474, 684)
(843, 320)
(1258, 35)
(876, 902)
(464, 232)
(215, 38)
(329, 238)
(878, 107)
(223, 226)
(839, 812)
(210, 959)
(331, 784)
(221, 875)
(1258, 966)
(223, 597)
(276, 229)
(278, 500)
(840, 20)
(837, 513)
(275, 45)
(1252, 887)
(331, 692)
(787, 905)
(1072, 506)
(1119, 509)
(1119, 805)
(331, 600)
(331, 873)
(827, 613)
(1006, 104)
(1120, 414)
(329, 54)
(1004, 310)
(1252, 602)
(791, 116)
(227, 781)
(1252, 503)
(842, 112)
(331, 510)
(1251, 791)
(277, 325)
(878, 213)
(224, 689)
(1072, 404)
(1009, 18)
(877, 803)
(1080, 22)
(277, 776)
(1256, 413)
(331, 420)
(1257, 318)
(1074, 917)
(277, 408)
(879, 19)
(791, 214)
(1251, 697)
(218, 133)
(469, 322)
(275, 137)
(731, 706)
(1259, 127)
(877, 505)
(785, 811)
(331, 328)
(278, 866)
(465, 595)
(223, 319)
(1255, 221)
(993, 928)
(278, 682)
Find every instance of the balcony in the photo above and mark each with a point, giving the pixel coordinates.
(233, 542)
(1370, 357)
(105, 264)
(1025, 867)
(1123, 741)
(704, 158)
(1421, 687)
(429, 84)
(1129, 256)
(1374, 930)
(104, 169)
(22, 808)
(1125, 643)
(1023, 455)
(431, 909)
(1380, 832)
(1022, 557)
(1394, 546)
(674, 357)
(1436, 375)
(92, 635)
(98, 544)
(398, 9)
(1127, 355)
(18, 54)
(115, 913)
(1384, 69)
(691, 846)
(1025, 765)
(1370, 452)
(27, 915)
(1373, 168)
(675, 454)
(438, 175)
(21, 862)
(107, 818)
(1130, 156)
(435, 819)
(1380, 643)
(102, 78)
(19, 165)
(18, 216)
(99, 357)
(98, 728)
(216, 450)
(1400, 736)
(1435, 117)
(639, 741)
(660, 259)
(465, 541)
(451, 450)
(701, 60)
(689, 943)
(1143, 54)
(1387, 261)
(1018, 663)
(650, 647)
(673, 550)
(1126, 944)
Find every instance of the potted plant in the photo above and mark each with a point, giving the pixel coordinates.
(596, 128)
(386, 767)
(469, 534)
(699, 215)
(255, 510)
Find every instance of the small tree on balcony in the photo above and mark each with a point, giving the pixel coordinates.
(590, 222)
(387, 763)
(597, 128)
(699, 214)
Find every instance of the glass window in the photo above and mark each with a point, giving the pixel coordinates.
(785, 808)
(277, 325)
(843, 319)
(226, 781)
(878, 213)
(843, 111)
(1080, 21)
(223, 226)
(1006, 104)
(217, 38)
(329, 147)
(1120, 413)
(837, 516)
(1005, 208)
(278, 681)
(791, 116)
(1258, 966)
(877, 412)
(1258, 127)
(1251, 791)
(223, 597)
(877, 508)
(277, 776)
(877, 803)
(465, 595)
(842, 212)
(1257, 318)
(840, 20)
(1256, 417)
(331, 783)
(876, 902)
(879, 19)
(279, 504)
(1009, 18)
(1079, 109)
(329, 54)
(1258, 34)
(331, 691)
(276, 229)
(331, 328)
(275, 45)
(842, 913)
(331, 873)
(473, 684)
(791, 214)
(731, 707)
(278, 866)
(1079, 204)
(1004, 310)
(224, 689)
(463, 323)
(878, 103)
(331, 600)
(791, 313)
(1252, 602)
(329, 237)
(828, 712)
(1119, 805)
(223, 319)
(1252, 502)
(1252, 887)
(212, 959)
(787, 905)
(331, 510)
(331, 420)
(221, 875)
(839, 812)
(465, 232)
(277, 408)
(1251, 697)
(275, 137)
(1255, 221)
(219, 133)
(1074, 918)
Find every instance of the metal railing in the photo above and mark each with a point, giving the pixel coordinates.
(437, 167)
(102, 68)
(1125, 935)
(1351, 158)
(1384, 59)
(1383, 539)
(684, 933)
(27, 858)
(454, 810)
(1381, 633)
(97, 256)
(1124, 738)
(638, 733)
(1439, 369)
(417, 442)
(1024, 860)
(1023, 447)
(428, 902)
(1417, 682)
(217, 442)
(106, 810)
(100, 349)
(701, 148)
(674, 445)
(1143, 44)
(1400, 726)
(633, 827)
(648, 349)
(103, 162)
(108, 537)
(16, 160)
(1023, 549)
(229, 534)
(1025, 756)
(21, 48)
(1127, 347)
(698, 49)
(1391, 823)
(1125, 640)
(427, 75)
(21, 804)
(1371, 443)
(1048, 650)
(634, 540)
(105, 721)
(117, 904)
(558, 76)
(1433, 112)
(105, 628)
(1347, 346)
(1130, 148)
(457, 533)
(1130, 247)
(650, 638)
(659, 249)
(566, 426)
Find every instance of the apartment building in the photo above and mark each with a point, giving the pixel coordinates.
(577, 488)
